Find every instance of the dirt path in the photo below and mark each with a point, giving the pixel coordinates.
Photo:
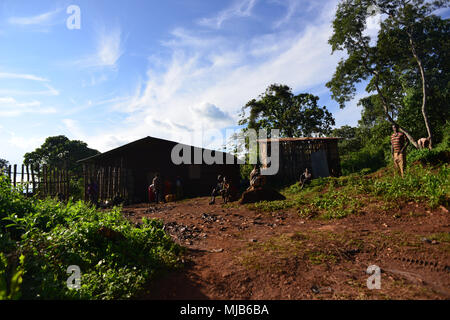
(238, 253)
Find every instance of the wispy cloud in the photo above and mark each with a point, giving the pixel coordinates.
(51, 91)
(7, 75)
(73, 128)
(109, 49)
(10, 107)
(239, 9)
(44, 19)
(291, 8)
(203, 87)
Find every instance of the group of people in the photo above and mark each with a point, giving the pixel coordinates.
(159, 189)
(221, 188)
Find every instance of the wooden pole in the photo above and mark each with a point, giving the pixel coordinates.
(67, 191)
(33, 183)
(108, 180)
(85, 182)
(22, 175)
(44, 180)
(28, 180)
(55, 182)
(14, 176)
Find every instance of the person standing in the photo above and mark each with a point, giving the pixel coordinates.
(399, 142)
(158, 188)
(217, 189)
(93, 192)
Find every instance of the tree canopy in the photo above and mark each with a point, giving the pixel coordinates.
(3, 163)
(295, 115)
(59, 151)
(407, 67)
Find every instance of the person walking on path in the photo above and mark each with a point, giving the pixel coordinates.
(398, 149)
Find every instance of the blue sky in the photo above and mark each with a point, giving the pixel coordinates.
(161, 68)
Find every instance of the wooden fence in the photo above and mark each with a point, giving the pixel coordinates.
(110, 182)
(42, 181)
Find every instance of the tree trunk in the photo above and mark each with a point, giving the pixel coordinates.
(424, 93)
(388, 116)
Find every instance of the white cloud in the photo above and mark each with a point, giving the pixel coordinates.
(201, 87)
(39, 23)
(73, 128)
(44, 19)
(8, 75)
(109, 49)
(291, 8)
(51, 91)
(10, 107)
(239, 9)
(210, 111)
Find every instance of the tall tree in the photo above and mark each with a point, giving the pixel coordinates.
(295, 115)
(409, 51)
(3, 163)
(59, 151)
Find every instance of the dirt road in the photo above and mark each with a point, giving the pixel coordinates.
(235, 252)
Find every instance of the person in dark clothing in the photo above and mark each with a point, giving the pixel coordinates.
(158, 187)
(93, 192)
(217, 189)
(305, 178)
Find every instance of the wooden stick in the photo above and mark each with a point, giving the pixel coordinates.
(22, 174)
(33, 183)
(84, 182)
(44, 178)
(14, 177)
(28, 180)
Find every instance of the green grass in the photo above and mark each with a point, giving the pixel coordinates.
(441, 237)
(52, 236)
(331, 198)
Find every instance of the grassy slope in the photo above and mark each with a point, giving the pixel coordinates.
(329, 198)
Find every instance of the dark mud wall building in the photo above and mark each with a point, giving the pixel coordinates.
(139, 161)
(319, 155)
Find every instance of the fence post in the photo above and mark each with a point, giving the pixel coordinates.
(28, 180)
(85, 182)
(14, 176)
(44, 180)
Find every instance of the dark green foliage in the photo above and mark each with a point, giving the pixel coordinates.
(409, 33)
(295, 115)
(59, 151)
(3, 163)
(52, 236)
(333, 198)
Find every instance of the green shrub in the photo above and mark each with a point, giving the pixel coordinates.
(52, 236)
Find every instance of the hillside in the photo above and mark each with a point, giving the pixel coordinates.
(317, 244)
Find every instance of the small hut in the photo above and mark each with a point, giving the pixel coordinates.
(319, 155)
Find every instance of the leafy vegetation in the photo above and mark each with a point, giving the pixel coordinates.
(52, 236)
(59, 151)
(330, 198)
(294, 115)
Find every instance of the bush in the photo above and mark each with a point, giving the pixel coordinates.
(372, 159)
(52, 236)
